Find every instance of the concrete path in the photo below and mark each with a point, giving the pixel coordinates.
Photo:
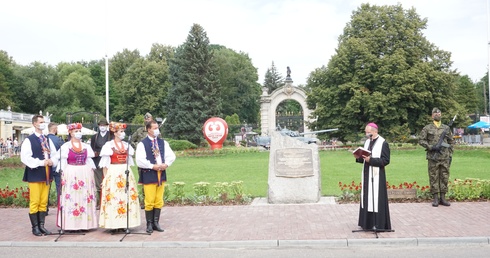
(265, 225)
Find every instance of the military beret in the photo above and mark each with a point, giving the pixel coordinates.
(436, 110)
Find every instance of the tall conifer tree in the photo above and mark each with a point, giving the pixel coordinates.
(273, 79)
(194, 96)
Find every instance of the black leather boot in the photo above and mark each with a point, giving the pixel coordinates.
(156, 219)
(35, 224)
(42, 216)
(443, 200)
(435, 202)
(149, 221)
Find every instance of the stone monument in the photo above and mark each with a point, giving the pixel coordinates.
(294, 171)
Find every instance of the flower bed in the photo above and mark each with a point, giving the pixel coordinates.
(458, 190)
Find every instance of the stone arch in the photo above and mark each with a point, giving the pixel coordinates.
(269, 103)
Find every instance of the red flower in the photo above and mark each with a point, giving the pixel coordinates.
(76, 213)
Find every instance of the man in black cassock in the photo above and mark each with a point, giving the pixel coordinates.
(374, 166)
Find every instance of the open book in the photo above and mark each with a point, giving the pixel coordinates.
(359, 152)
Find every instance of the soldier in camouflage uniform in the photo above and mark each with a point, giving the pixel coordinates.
(140, 133)
(439, 158)
(137, 136)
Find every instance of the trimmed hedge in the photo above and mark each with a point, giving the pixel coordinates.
(180, 145)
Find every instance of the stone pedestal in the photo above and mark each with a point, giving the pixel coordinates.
(294, 171)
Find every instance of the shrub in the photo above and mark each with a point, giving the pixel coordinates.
(180, 145)
(11, 162)
(352, 192)
(17, 197)
(413, 141)
(221, 191)
(468, 189)
(179, 191)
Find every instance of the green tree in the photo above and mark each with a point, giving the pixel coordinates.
(97, 72)
(144, 88)
(121, 62)
(273, 79)
(385, 71)
(118, 66)
(466, 94)
(240, 92)
(195, 93)
(6, 79)
(161, 53)
(482, 95)
(36, 87)
(233, 119)
(77, 91)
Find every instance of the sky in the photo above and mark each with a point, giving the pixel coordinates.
(301, 34)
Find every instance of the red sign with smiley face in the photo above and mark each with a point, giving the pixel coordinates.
(215, 131)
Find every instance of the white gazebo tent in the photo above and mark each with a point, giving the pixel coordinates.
(62, 130)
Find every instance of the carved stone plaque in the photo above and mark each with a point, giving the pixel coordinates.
(294, 162)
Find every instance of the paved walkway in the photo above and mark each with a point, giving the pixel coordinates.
(264, 225)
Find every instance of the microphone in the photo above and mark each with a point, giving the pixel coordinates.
(370, 135)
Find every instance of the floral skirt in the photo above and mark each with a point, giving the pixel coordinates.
(77, 204)
(114, 205)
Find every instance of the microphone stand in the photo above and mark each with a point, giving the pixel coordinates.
(61, 231)
(127, 231)
(374, 229)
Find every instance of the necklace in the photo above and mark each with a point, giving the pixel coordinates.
(120, 149)
(75, 148)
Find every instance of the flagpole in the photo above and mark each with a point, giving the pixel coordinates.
(107, 88)
(488, 65)
(106, 69)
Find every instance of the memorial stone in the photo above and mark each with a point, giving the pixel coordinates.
(294, 171)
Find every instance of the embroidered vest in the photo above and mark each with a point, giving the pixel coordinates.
(38, 174)
(77, 159)
(118, 158)
(150, 176)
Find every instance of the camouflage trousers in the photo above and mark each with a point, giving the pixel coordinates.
(438, 175)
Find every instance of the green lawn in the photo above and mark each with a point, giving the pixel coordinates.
(336, 166)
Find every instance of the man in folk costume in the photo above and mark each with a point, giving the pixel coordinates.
(38, 154)
(374, 168)
(97, 141)
(153, 157)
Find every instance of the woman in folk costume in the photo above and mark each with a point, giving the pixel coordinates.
(116, 158)
(374, 168)
(77, 205)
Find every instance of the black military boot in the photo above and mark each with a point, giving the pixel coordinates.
(42, 216)
(149, 221)
(156, 219)
(435, 202)
(35, 224)
(443, 200)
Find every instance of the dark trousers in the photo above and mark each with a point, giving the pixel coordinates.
(57, 182)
